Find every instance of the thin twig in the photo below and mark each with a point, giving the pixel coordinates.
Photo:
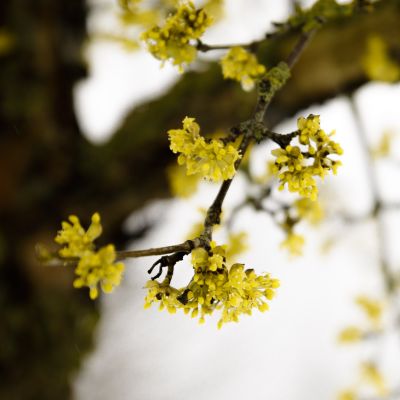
(299, 48)
(187, 246)
(214, 211)
(281, 139)
(203, 47)
(376, 200)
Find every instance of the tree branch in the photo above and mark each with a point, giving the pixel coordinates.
(376, 200)
(203, 47)
(214, 211)
(187, 246)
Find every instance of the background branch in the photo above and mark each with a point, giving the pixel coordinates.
(377, 210)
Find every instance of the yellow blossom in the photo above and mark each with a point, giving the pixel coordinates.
(350, 334)
(164, 294)
(373, 309)
(293, 243)
(242, 66)
(180, 183)
(173, 40)
(75, 239)
(298, 167)
(237, 244)
(309, 128)
(309, 210)
(93, 268)
(233, 291)
(211, 158)
(290, 169)
(384, 146)
(372, 375)
(126, 42)
(99, 267)
(377, 63)
(130, 12)
(347, 395)
(214, 8)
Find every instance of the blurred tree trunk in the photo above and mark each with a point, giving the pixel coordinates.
(45, 327)
(49, 170)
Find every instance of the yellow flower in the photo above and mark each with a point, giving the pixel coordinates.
(309, 128)
(212, 159)
(347, 395)
(237, 244)
(214, 286)
(297, 167)
(75, 239)
(291, 170)
(180, 183)
(172, 41)
(242, 66)
(377, 62)
(164, 294)
(309, 210)
(384, 146)
(215, 8)
(99, 267)
(293, 243)
(372, 375)
(373, 309)
(93, 268)
(350, 334)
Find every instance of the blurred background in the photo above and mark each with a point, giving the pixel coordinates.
(83, 122)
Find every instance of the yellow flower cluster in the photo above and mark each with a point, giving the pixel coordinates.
(75, 239)
(370, 376)
(350, 334)
(302, 209)
(163, 293)
(294, 167)
(311, 211)
(215, 8)
(347, 395)
(384, 146)
(212, 159)
(236, 245)
(173, 41)
(293, 243)
(242, 66)
(214, 286)
(377, 62)
(93, 267)
(373, 310)
(181, 184)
